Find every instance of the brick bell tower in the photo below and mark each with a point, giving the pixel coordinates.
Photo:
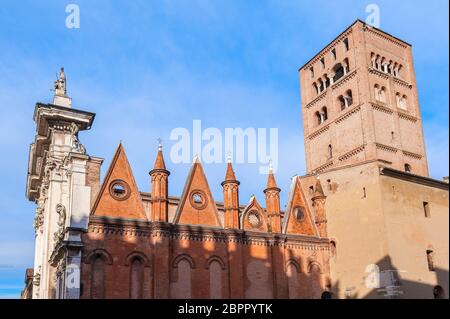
(359, 103)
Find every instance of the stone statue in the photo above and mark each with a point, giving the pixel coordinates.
(60, 84)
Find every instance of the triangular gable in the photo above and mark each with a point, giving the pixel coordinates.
(119, 195)
(254, 218)
(298, 218)
(197, 205)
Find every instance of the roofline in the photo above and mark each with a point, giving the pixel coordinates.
(348, 28)
(423, 180)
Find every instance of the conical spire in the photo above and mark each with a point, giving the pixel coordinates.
(159, 163)
(229, 176)
(271, 183)
(318, 190)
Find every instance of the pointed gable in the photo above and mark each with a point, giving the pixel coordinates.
(298, 218)
(197, 206)
(119, 195)
(254, 218)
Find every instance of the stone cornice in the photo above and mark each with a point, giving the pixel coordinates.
(385, 36)
(349, 113)
(318, 132)
(351, 153)
(382, 107)
(321, 96)
(117, 226)
(411, 154)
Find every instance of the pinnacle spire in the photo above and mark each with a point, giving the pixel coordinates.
(271, 183)
(159, 163)
(318, 190)
(229, 176)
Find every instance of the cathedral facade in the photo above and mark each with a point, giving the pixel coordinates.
(365, 221)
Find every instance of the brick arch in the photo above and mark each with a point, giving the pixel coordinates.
(99, 252)
(312, 264)
(137, 254)
(185, 257)
(215, 258)
(294, 263)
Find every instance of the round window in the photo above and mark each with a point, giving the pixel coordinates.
(299, 214)
(119, 189)
(254, 219)
(198, 199)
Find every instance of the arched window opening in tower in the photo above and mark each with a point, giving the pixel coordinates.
(339, 72)
(330, 151)
(408, 168)
(342, 102)
(324, 114)
(346, 45)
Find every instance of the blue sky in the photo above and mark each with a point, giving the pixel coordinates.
(146, 67)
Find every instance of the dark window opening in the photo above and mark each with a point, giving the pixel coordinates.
(346, 44)
(333, 52)
(430, 260)
(426, 209)
(408, 168)
(338, 72)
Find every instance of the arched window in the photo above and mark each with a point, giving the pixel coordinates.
(338, 70)
(398, 98)
(180, 288)
(293, 280)
(316, 88)
(330, 151)
(404, 104)
(321, 85)
(324, 114)
(438, 292)
(408, 168)
(378, 63)
(318, 118)
(333, 248)
(349, 97)
(215, 280)
(315, 281)
(136, 278)
(327, 81)
(346, 66)
(98, 277)
(376, 91)
(389, 67)
(373, 57)
(341, 102)
(399, 70)
(383, 94)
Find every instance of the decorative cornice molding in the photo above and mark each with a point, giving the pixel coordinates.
(407, 117)
(386, 148)
(380, 107)
(319, 132)
(349, 113)
(352, 153)
(321, 96)
(384, 36)
(120, 227)
(411, 154)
